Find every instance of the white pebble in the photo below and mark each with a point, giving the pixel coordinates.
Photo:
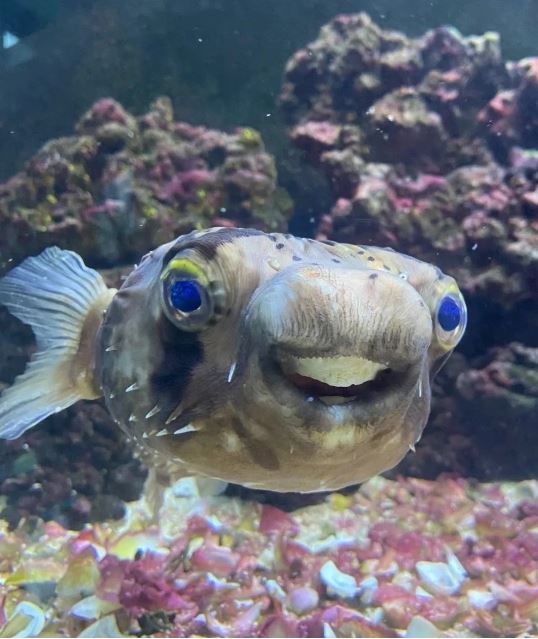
(338, 583)
(302, 600)
(439, 578)
(481, 599)
(420, 627)
(368, 587)
(275, 590)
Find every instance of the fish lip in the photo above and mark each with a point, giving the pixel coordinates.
(370, 402)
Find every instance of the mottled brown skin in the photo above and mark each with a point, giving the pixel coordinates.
(279, 296)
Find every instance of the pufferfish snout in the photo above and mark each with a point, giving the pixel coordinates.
(267, 360)
(351, 339)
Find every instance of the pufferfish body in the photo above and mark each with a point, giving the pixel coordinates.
(266, 360)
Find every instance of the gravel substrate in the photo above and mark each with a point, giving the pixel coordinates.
(396, 558)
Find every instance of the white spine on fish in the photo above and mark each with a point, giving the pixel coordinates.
(55, 293)
(231, 372)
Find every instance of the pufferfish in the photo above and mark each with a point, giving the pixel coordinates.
(262, 359)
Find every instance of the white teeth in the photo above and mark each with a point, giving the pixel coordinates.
(335, 371)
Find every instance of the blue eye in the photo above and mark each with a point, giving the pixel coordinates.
(185, 296)
(449, 314)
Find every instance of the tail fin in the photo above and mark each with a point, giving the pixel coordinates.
(62, 300)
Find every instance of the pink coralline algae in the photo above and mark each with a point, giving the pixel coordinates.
(445, 558)
(409, 133)
(142, 586)
(122, 185)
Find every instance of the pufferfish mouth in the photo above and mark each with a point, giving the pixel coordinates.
(334, 380)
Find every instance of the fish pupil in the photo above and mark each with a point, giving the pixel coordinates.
(449, 314)
(185, 296)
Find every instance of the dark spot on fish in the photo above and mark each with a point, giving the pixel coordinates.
(288, 236)
(439, 273)
(208, 243)
(360, 251)
(310, 240)
(336, 261)
(258, 450)
(296, 258)
(373, 276)
(280, 245)
(379, 435)
(328, 242)
(371, 258)
(387, 268)
(181, 353)
(272, 238)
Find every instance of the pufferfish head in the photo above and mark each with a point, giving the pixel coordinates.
(278, 362)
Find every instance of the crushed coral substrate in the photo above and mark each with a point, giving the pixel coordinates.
(406, 558)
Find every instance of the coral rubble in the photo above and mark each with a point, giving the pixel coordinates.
(442, 558)
(122, 185)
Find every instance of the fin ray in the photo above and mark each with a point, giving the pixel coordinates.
(52, 293)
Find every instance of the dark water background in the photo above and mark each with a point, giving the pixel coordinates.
(221, 61)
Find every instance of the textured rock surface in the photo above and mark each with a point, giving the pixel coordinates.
(123, 185)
